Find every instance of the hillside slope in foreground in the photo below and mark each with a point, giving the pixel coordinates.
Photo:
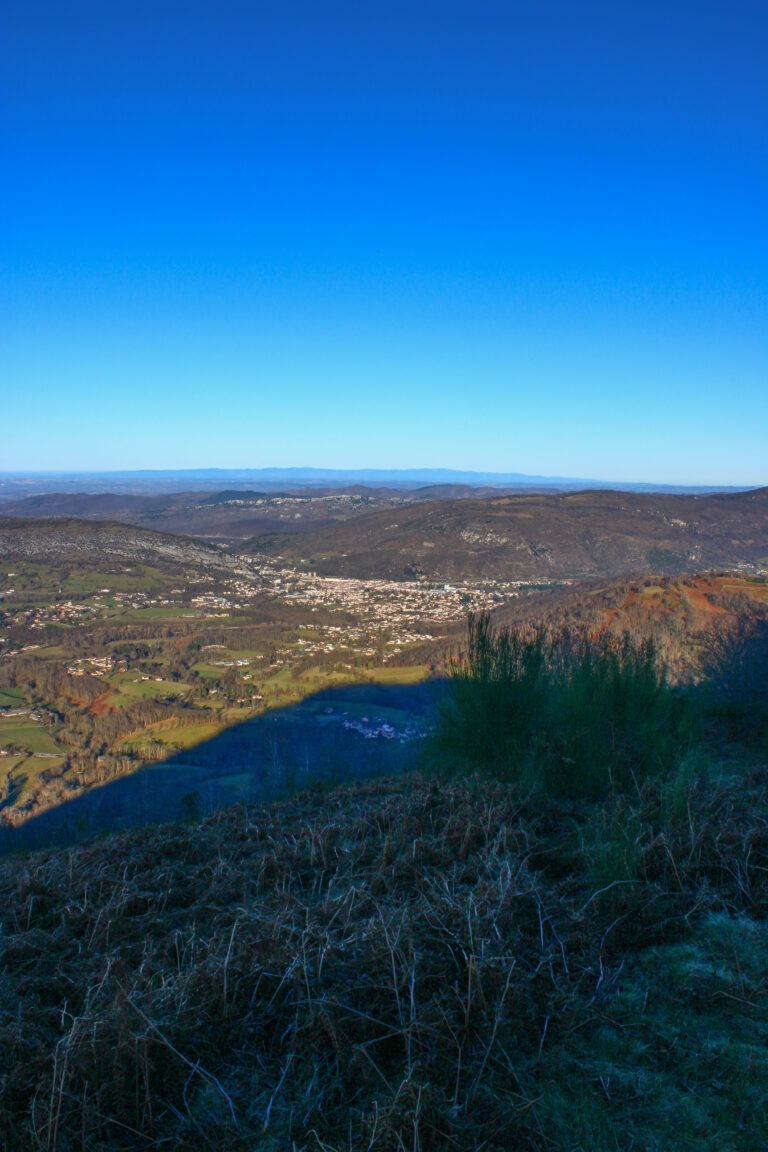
(397, 965)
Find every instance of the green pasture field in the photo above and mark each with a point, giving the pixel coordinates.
(18, 774)
(158, 612)
(282, 677)
(27, 734)
(296, 690)
(30, 576)
(317, 675)
(127, 686)
(12, 698)
(9, 764)
(17, 602)
(85, 580)
(290, 689)
(207, 671)
(140, 579)
(186, 737)
(410, 675)
(312, 680)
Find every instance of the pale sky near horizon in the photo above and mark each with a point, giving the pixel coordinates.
(500, 237)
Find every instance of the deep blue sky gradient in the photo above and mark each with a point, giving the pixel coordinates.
(499, 236)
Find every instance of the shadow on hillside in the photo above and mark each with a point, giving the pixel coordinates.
(336, 735)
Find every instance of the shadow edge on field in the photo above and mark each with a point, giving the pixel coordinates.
(338, 734)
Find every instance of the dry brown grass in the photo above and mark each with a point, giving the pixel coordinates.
(394, 966)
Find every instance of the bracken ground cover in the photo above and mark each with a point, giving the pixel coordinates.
(399, 965)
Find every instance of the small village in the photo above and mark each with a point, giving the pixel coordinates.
(389, 615)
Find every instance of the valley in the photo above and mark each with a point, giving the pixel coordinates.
(124, 648)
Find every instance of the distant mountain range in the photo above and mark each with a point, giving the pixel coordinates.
(16, 485)
(525, 536)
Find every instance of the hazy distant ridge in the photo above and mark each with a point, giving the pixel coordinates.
(16, 485)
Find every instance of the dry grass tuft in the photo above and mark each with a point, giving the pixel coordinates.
(399, 965)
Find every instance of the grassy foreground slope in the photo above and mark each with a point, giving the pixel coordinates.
(398, 965)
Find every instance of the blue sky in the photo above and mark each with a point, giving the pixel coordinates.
(498, 236)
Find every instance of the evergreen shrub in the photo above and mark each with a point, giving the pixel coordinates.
(574, 712)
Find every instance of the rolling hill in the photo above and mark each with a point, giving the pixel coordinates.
(29, 539)
(534, 537)
(228, 516)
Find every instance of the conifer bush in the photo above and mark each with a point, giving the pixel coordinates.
(572, 712)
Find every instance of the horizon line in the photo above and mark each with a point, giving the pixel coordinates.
(431, 475)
